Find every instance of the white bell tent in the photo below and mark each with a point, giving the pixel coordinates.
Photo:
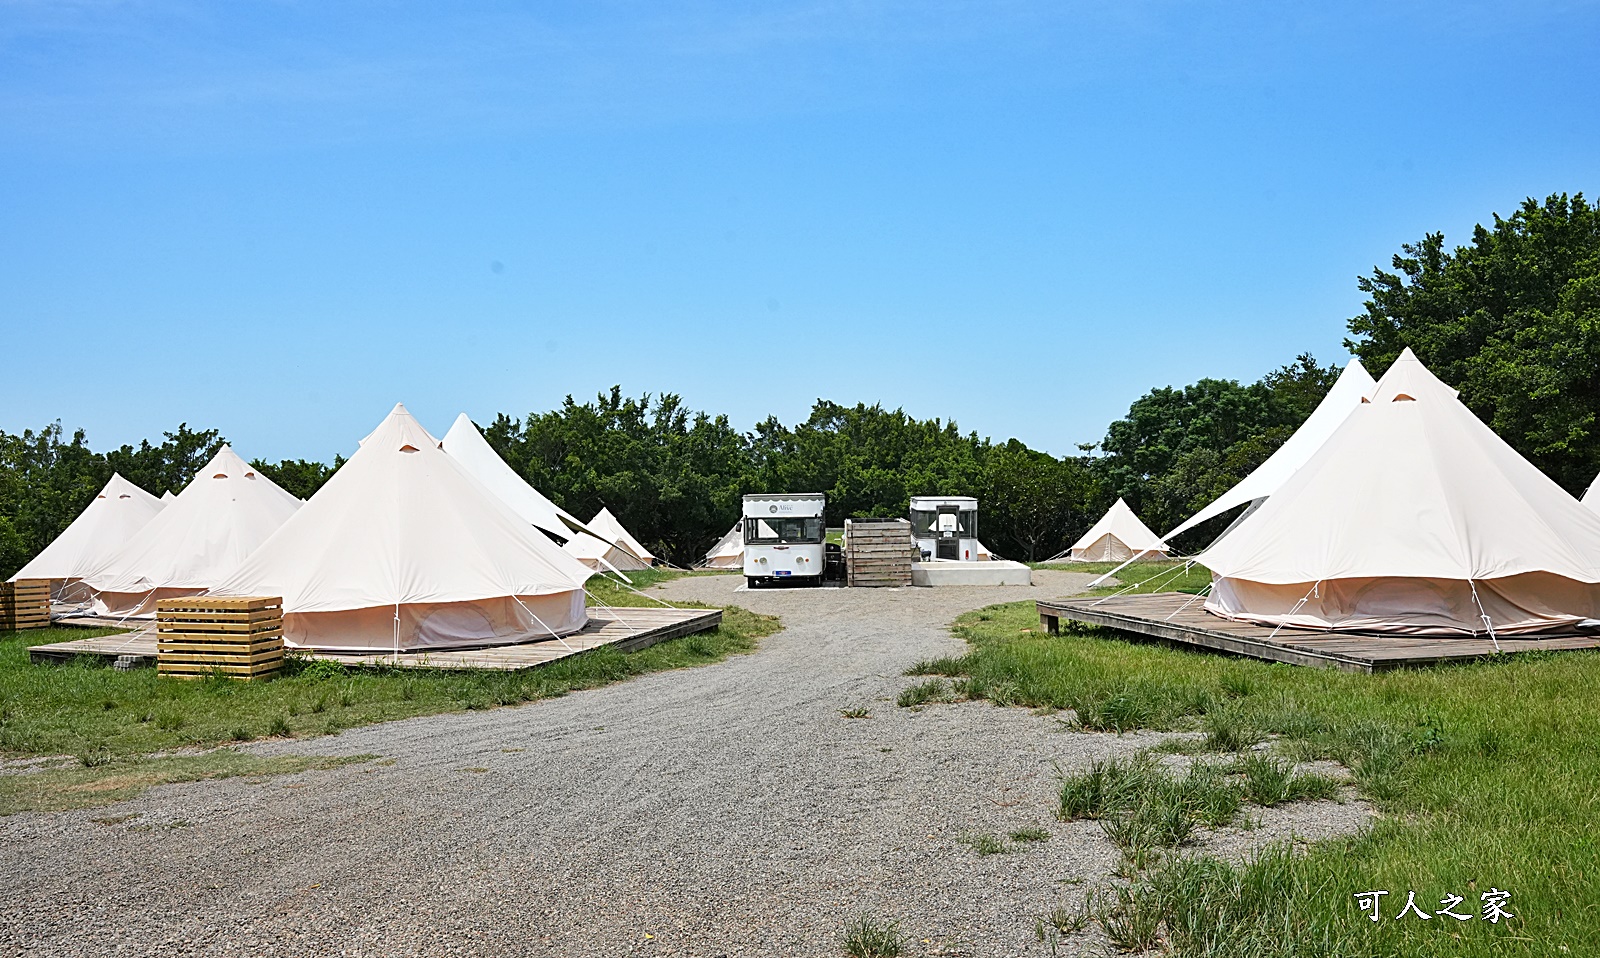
(1591, 496)
(404, 549)
(602, 556)
(1413, 517)
(728, 553)
(1345, 395)
(606, 526)
(1118, 536)
(467, 446)
(221, 516)
(105, 525)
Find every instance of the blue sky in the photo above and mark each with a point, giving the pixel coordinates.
(279, 218)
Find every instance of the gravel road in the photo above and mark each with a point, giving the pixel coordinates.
(724, 810)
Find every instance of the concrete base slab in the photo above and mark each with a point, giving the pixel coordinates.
(937, 572)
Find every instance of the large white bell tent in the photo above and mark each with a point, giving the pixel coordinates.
(1345, 395)
(602, 556)
(219, 518)
(606, 526)
(404, 549)
(1413, 517)
(728, 553)
(1118, 536)
(1591, 496)
(104, 526)
(467, 446)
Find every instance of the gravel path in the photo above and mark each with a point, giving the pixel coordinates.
(723, 810)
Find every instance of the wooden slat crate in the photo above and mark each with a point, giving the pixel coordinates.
(878, 552)
(24, 604)
(200, 636)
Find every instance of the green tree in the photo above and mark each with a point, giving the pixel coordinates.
(300, 478)
(1512, 320)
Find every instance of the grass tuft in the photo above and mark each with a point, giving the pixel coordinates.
(933, 690)
(868, 936)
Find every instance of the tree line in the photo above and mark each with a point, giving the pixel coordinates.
(1511, 318)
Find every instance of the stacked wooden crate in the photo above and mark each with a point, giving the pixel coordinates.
(878, 552)
(24, 604)
(198, 637)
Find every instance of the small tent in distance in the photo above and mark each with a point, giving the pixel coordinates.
(728, 553)
(606, 526)
(116, 513)
(602, 556)
(404, 549)
(1117, 537)
(1413, 518)
(197, 539)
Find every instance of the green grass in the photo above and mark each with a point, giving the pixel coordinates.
(1484, 775)
(868, 936)
(1160, 575)
(87, 708)
(91, 786)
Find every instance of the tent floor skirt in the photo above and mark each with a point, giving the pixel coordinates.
(1181, 618)
(626, 629)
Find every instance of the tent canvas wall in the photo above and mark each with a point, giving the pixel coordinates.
(1591, 496)
(728, 553)
(1414, 517)
(403, 549)
(1117, 537)
(105, 525)
(1345, 395)
(606, 526)
(467, 446)
(221, 516)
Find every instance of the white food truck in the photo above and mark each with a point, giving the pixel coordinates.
(783, 537)
(946, 527)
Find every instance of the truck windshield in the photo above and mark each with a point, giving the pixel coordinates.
(783, 529)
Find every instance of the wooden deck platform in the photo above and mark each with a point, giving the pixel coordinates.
(1179, 617)
(627, 630)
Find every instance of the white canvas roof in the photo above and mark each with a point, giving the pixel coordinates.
(402, 548)
(168, 496)
(1121, 522)
(221, 516)
(1407, 511)
(1352, 384)
(606, 526)
(729, 550)
(104, 526)
(1591, 497)
(467, 446)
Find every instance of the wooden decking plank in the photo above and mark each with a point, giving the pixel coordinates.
(1180, 617)
(628, 629)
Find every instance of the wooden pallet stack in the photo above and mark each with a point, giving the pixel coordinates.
(878, 552)
(24, 604)
(200, 636)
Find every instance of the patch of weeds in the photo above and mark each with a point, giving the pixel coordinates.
(933, 690)
(317, 670)
(67, 788)
(1227, 731)
(319, 704)
(1142, 807)
(1130, 916)
(947, 666)
(241, 733)
(116, 819)
(170, 721)
(1031, 834)
(476, 769)
(1059, 924)
(95, 758)
(984, 844)
(855, 713)
(279, 726)
(1180, 746)
(868, 936)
